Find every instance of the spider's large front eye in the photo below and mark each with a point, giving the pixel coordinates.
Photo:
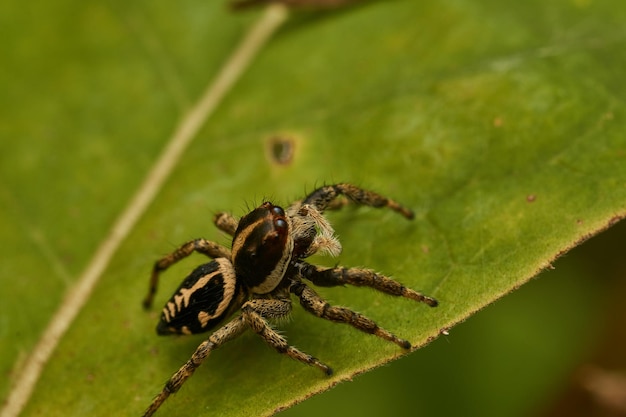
(280, 224)
(278, 211)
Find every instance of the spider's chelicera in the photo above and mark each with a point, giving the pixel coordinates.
(260, 272)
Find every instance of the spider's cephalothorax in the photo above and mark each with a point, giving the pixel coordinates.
(258, 275)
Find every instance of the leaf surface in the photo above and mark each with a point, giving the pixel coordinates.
(501, 125)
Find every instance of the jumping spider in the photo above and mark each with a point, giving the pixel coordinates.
(259, 274)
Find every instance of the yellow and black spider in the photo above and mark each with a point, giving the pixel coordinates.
(259, 274)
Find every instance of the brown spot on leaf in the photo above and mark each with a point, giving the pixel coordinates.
(281, 149)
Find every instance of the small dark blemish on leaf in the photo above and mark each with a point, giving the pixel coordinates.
(281, 149)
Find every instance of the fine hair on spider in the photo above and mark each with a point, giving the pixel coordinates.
(260, 273)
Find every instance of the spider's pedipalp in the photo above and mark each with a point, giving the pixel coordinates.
(309, 225)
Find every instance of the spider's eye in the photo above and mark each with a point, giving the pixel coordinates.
(280, 224)
(278, 211)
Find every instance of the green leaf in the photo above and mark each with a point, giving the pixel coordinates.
(515, 357)
(500, 124)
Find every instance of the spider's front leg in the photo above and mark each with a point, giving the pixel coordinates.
(227, 332)
(332, 277)
(324, 197)
(316, 305)
(255, 313)
(206, 247)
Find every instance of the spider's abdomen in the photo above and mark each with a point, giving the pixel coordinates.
(203, 299)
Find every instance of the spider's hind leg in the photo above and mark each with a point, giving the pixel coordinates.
(324, 198)
(225, 333)
(206, 247)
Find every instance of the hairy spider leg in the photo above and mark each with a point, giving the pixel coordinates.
(312, 233)
(226, 222)
(255, 313)
(319, 307)
(222, 335)
(203, 246)
(359, 277)
(324, 198)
